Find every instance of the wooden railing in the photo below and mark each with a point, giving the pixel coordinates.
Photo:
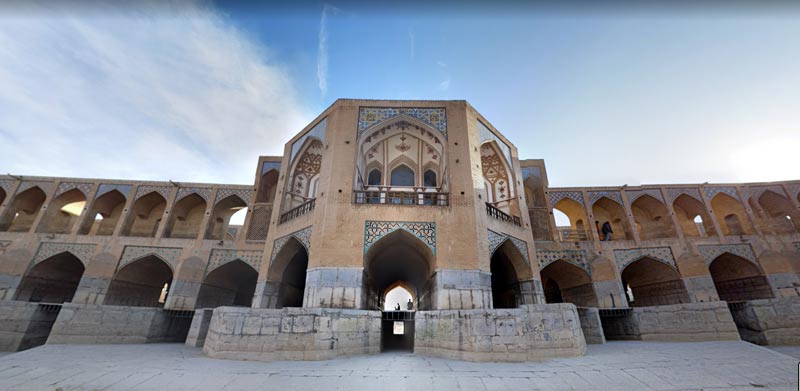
(298, 211)
(388, 197)
(502, 216)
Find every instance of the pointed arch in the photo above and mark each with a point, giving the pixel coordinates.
(399, 257)
(230, 284)
(221, 216)
(140, 283)
(63, 212)
(578, 222)
(687, 209)
(654, 282)
(653, 218)
(144, 217)
(53, 280)
(738, 279)
(186, 217)
(606, 209)
(288, 268)
(303, 171)
(783, 216)
(509, 269)
(499, 177)
(21, 212)
(574, 285)
(109, 206)
(267, 186)
(733, 215)
(401, 174)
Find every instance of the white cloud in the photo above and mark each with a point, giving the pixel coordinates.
(322, 53)
(444, 84)
(151, 92)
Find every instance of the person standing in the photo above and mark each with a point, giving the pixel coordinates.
(410, 305)
(607, 231)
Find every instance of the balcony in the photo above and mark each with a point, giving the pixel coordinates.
(498, 214)
(567, 234)
(414, 196)
(298, 211)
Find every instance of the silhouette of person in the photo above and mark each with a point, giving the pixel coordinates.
(397, 307)
(607, 231)
(409, 305)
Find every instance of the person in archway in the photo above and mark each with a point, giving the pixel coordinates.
(607, 231)
(397, 307)
(410, 305)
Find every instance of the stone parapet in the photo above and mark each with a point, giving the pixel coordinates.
(769, 321)
(686, 322)
(462, 289)
(24, 325)
(292, 333)
(591, 325)
(529, 333)
(334, 287)
(105, 324)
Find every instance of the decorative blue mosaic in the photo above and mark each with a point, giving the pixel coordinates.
(710, 252)
(244, 194)
(594, 196)
(579, 258)
(125, 190)
(147, 189)
(712, 191)
(303, 236)
(46, 250)
(183, 192)
(170, 255)
(219, 257)
(556, 196)
(25, 185)
(375, 230)
(756, 191)
(795, 190)
(485, 134)
(64, 187)
(497, 239)
(318, 131)
(6, 185)
(689, 191)
(626, 257)
(633, 195)
(369, 116)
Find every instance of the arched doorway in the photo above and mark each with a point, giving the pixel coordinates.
(398, 259)
(22, 211)
(63, 212)
(738, 279)
(652, 217)
(608, 210)
(289, 269)
(145, 216)
(142, 283)
(566, 283)
(186, 217)
(53, 280)
(653, 283)
(508, 269)
(232, 284)
(692, 217)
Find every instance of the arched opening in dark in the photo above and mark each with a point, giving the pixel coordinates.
(429, 179)
(232, 284)
(221, 216)
(654, 283)
(289, 269)
(733, 213)
(782, 216)
(738, 279)
(508, 269)
(145, 216)
(140, 283)
(53, 280)
(402, 175)
(692, 217)
(266, 186)
(109, 206)
(374, 178)
(21, 213)
(608, 210)
(568, 284)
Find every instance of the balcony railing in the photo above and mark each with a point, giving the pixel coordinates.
(568, 234)
(298, 211)
(414, 197)
(502, 216)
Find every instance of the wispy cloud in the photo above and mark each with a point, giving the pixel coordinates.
(444, 84)
(322, 52)
(154, 92)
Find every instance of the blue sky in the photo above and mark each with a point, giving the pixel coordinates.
(607, 94)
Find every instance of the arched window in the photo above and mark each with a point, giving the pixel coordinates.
(429, 179)
(402, 176)
(374, 178)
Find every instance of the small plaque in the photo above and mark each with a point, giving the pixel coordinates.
(399, 328)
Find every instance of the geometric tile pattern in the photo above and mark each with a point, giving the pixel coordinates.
(496, 239)
(795, 189)
(596, 195)
(44, 186)
(691, 192)
(48, 249)
(579, 258)
(625, 257)
(374, 230)
(221, 257)
(485, 134)
(318, 132)
(107, 187)
(64, 187)
(369, 116)
(185, 191)
(712, 191)
(710, 252)
(146, 189)
(556, 196)
(243, 194)
(6, 184)
(171, 255)
(303, 236)
(634, 194)
(756, 192)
